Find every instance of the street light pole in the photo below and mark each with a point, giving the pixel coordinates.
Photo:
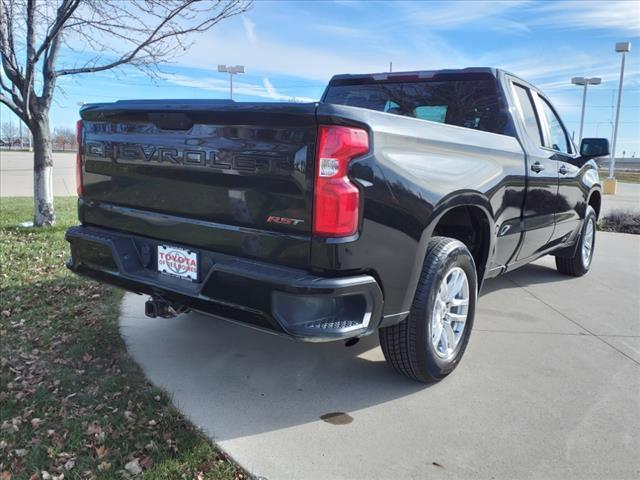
(584, 102)
(231, 71)
(624, 48)
(584, 82)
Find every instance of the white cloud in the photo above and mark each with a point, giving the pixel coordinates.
(340, 30)
(249, 28)
(271, 56)
(623, 16)
(269, 88)
(449, 15)
(349, 3)
(266, 90)
(276, 95)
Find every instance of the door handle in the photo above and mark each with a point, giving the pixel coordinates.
(563, 170)
(537, 167)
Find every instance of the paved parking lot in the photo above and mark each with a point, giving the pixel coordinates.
(16, 179)
(549, 387)
(16, 174)
(627, 197)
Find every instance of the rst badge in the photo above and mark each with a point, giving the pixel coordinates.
(284, 220)
(178, 262)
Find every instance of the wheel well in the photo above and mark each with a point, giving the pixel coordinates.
(595, 200)
(468, 224)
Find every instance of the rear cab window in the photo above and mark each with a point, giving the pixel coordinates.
(470, 100)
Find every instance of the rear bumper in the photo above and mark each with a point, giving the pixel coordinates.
(279, 299)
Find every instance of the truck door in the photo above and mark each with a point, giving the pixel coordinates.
(570, 195)
(541, 195)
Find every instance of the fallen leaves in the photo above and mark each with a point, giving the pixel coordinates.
(94, 429)
(133, 467)
(8, 427)
(101, 451)
(20, 452)
(73, 404)
(146, 462)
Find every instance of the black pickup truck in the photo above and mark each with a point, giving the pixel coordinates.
(382, 207)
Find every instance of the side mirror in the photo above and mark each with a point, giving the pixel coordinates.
(594, 147)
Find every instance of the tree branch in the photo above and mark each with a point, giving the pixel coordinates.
(30, 65)
(13, 107)
(141, 33)
(48, 72)
(65, 11)
(9, 65)
(131, 55)
(156, 37)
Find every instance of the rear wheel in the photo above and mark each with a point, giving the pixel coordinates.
(580, 262)
(430, 342)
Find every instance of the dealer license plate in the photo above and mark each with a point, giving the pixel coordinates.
(178, 262)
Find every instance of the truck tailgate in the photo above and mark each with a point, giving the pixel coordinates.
(231, 177)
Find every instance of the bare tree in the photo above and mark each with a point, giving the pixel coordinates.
(34, 35)
(64, 137)
(8, 131)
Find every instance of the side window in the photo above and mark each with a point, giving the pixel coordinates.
(528, 114)
(557, 134)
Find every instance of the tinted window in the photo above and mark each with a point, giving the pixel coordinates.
(470, 103)
(528, 114)
(559, 140)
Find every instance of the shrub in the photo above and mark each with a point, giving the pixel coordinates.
(621, 221)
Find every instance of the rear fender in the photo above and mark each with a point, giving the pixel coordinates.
(457, 199)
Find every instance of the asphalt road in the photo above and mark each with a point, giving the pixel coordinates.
(549, 387)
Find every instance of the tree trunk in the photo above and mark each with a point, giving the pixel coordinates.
(44, 215)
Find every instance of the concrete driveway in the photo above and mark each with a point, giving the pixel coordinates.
(549, 387)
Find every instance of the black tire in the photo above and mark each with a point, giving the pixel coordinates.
(407, 346)
(576, 266)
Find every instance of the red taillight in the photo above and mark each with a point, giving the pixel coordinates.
(79, 187)
(336, 199)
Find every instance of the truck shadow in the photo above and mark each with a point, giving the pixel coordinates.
(532, 274)
(233, 381)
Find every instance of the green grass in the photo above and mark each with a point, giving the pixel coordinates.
(625, 176)
(72, 401)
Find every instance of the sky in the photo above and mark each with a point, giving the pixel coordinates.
(290, 49)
